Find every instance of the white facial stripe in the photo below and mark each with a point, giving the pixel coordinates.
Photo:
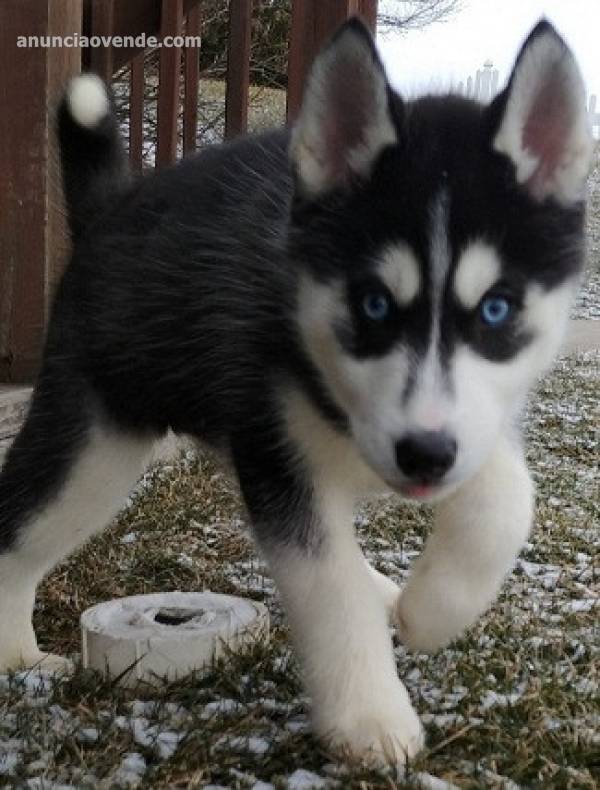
(478, 269)
(428, 403)
(400, 271)
(439, 251)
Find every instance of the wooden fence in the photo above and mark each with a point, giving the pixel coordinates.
(33, 241)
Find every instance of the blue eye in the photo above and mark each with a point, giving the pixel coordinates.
(376, 306)
(495, 310)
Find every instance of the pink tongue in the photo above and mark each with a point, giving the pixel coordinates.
(419, 491)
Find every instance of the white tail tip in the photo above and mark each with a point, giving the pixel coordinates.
(88, 100)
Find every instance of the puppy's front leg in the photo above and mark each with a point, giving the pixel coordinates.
(388, 590)
(338, 619)
(477, 534)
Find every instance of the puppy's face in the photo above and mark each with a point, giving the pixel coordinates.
(439, 244)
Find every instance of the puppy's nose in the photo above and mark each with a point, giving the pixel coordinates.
(426, 456)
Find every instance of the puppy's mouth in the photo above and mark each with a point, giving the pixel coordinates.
(420, 491)
(427, 491)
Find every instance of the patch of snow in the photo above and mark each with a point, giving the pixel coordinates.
(255, 744)
(579, 605)
(167, 743)
(493, 698)
(586, 686)
(131, 770)
(428, 782)
(298, 724)
(221, 707)
(9, 760)
(87, 735)
(305, 780)
(550, 723)
(500, 781)
(442, 720)
(273, 705)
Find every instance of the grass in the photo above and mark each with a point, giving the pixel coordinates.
(514, 700)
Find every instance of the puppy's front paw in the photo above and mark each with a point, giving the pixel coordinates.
(425, 624)
(382, 729)
(38, 661)
(53, 664)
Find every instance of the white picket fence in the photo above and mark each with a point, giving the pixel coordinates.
(485, 85)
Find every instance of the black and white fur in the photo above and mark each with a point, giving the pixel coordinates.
(225, 298)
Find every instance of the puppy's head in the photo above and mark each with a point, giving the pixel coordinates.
(439, 244)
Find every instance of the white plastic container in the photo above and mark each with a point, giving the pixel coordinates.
(167, 635)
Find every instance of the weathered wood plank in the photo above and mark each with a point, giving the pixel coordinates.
(168, 89)
(192, 80)
(131, 18)
(367, 9)
(102, 24)
(238, 67)
(313, 22)
(136, 112)
(33, 238)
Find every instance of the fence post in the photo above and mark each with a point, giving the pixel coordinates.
(313, 21)
(238, 67)
(193, 26)
(168, 89)
(33, 239)
(137, 82)
(102, 16)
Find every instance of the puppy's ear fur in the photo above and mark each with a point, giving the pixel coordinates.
(344, 121)
(544, 126)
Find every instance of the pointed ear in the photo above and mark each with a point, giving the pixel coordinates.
(544, 127)
(344, 121)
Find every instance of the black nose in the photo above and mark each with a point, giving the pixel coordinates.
(426, 456)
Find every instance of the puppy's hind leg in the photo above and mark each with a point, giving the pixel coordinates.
(65, 477)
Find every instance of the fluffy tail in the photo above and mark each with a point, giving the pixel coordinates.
(94, 163)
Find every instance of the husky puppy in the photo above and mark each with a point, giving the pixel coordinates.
(358, 304)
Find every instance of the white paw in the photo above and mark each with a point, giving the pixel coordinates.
(387, 730)
(425, 628)
(44, 663)
(52, 664)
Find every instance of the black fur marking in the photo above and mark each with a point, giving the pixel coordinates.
(275, 487)
(497, 344)
(404, 325)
